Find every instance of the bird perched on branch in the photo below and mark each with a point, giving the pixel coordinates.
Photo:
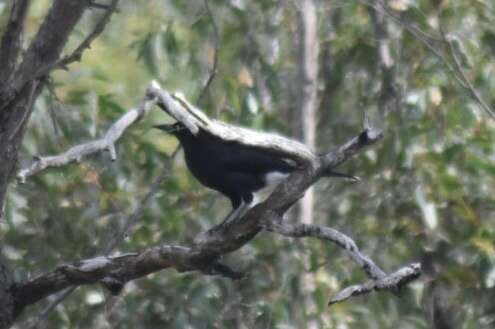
(231, 168)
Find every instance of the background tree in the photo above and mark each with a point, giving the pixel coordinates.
(421, 70)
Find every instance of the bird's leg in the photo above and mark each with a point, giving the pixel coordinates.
(217, 229)
(243, 209)
(234, 214)
(240, 207)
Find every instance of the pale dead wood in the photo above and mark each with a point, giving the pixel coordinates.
(393, 281)
(78, 152)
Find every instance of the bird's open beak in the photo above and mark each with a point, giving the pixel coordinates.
(170, 129)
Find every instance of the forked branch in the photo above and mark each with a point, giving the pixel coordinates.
(78, 152)
(204, 254)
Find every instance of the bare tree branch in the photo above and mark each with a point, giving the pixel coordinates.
(393, 281)
(122, 268)
(38, 320)
(86, 44)
(76, 153)
(114, 271)
(379, 280)
(327, 234)
(349, 149)
(468, 85)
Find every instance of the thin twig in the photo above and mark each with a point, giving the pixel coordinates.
(383, 8)
(29, 107)
(468, 85)
(131, 220)
(216, 41)
(86, 43)
(52, 100)
(419, 35)
(50, 307)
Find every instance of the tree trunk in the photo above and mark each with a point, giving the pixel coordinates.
(20, 86)
(13, 119)
(307, 82)
(6, 299)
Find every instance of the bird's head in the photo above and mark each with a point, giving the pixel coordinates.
(174, 129)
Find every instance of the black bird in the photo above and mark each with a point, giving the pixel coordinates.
(233, 169)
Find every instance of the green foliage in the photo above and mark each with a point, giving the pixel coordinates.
(428, 189)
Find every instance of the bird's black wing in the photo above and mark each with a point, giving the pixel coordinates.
(254, 160)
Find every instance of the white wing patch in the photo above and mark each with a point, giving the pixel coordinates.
(275, 177)
(271, 179)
